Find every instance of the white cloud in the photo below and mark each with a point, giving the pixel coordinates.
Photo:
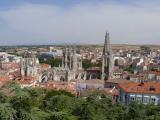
(83, 23)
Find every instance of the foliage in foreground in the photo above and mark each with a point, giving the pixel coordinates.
(39, 104)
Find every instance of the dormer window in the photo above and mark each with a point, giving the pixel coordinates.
(152, 88)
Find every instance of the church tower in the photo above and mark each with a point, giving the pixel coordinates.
(75, 64)
(107, 59)
(29, 65)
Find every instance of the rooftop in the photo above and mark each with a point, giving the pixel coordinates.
(141, 88)
(92, 81)
(116, 80)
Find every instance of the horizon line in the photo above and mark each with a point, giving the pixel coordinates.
(100, 44)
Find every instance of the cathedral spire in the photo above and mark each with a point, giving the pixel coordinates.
(107, 47)
(106, 59)
(66, 58)
(74, 59)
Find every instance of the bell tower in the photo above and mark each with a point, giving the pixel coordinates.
(107, 59)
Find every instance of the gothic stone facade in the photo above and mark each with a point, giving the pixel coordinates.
(29, 65)
(70, 69)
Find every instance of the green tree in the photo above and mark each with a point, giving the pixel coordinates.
(57, 103)
(145, 48)
(3, 98)
(36, 96)
(129, 69)
(50, 60)
(152, 112)
(87, 64)
(39, 114)
(21, 104)
(61, 116)
(7, 112)
(135, 111)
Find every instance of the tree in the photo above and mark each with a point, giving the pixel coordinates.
(20, 103)
(7, 112)
(87, 64)
(39, 114)
(57, 103)
(3, 98)
(61, 116)
(50, 60)
(145, 48)
(40, 104)
(135, 111)
(152, 112)
(129, 69)
(36, 96)
(51, 93)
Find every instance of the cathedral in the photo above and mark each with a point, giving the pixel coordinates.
(71, 68)
(107, 59)
(29, 65)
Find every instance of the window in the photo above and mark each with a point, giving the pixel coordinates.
(153, 100)
(132, 98)
(146, 99)
(139, 99)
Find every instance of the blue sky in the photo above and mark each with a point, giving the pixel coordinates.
(12, 3)
(79, 21)
(64, 3)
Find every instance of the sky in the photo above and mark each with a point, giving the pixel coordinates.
(38, 22)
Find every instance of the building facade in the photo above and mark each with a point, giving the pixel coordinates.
(29, 65)
(145, 93)
(70, 69)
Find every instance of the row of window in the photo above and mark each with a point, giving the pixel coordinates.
(145, 99)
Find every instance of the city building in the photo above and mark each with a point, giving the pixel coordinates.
(144, 92)
(71, 68)
(29, 65)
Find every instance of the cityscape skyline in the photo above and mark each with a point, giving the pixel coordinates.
(79, 22)
(79, 60)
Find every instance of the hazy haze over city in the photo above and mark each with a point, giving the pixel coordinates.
(79, 21)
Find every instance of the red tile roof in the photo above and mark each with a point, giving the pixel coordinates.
(135, 87)
(43, 65)
(106, 91)
(10, 65)
(4, 79)
(26, 80)
(153, 65)
(92, 81)
(152, 72)
(116, 80)
(68, 86)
